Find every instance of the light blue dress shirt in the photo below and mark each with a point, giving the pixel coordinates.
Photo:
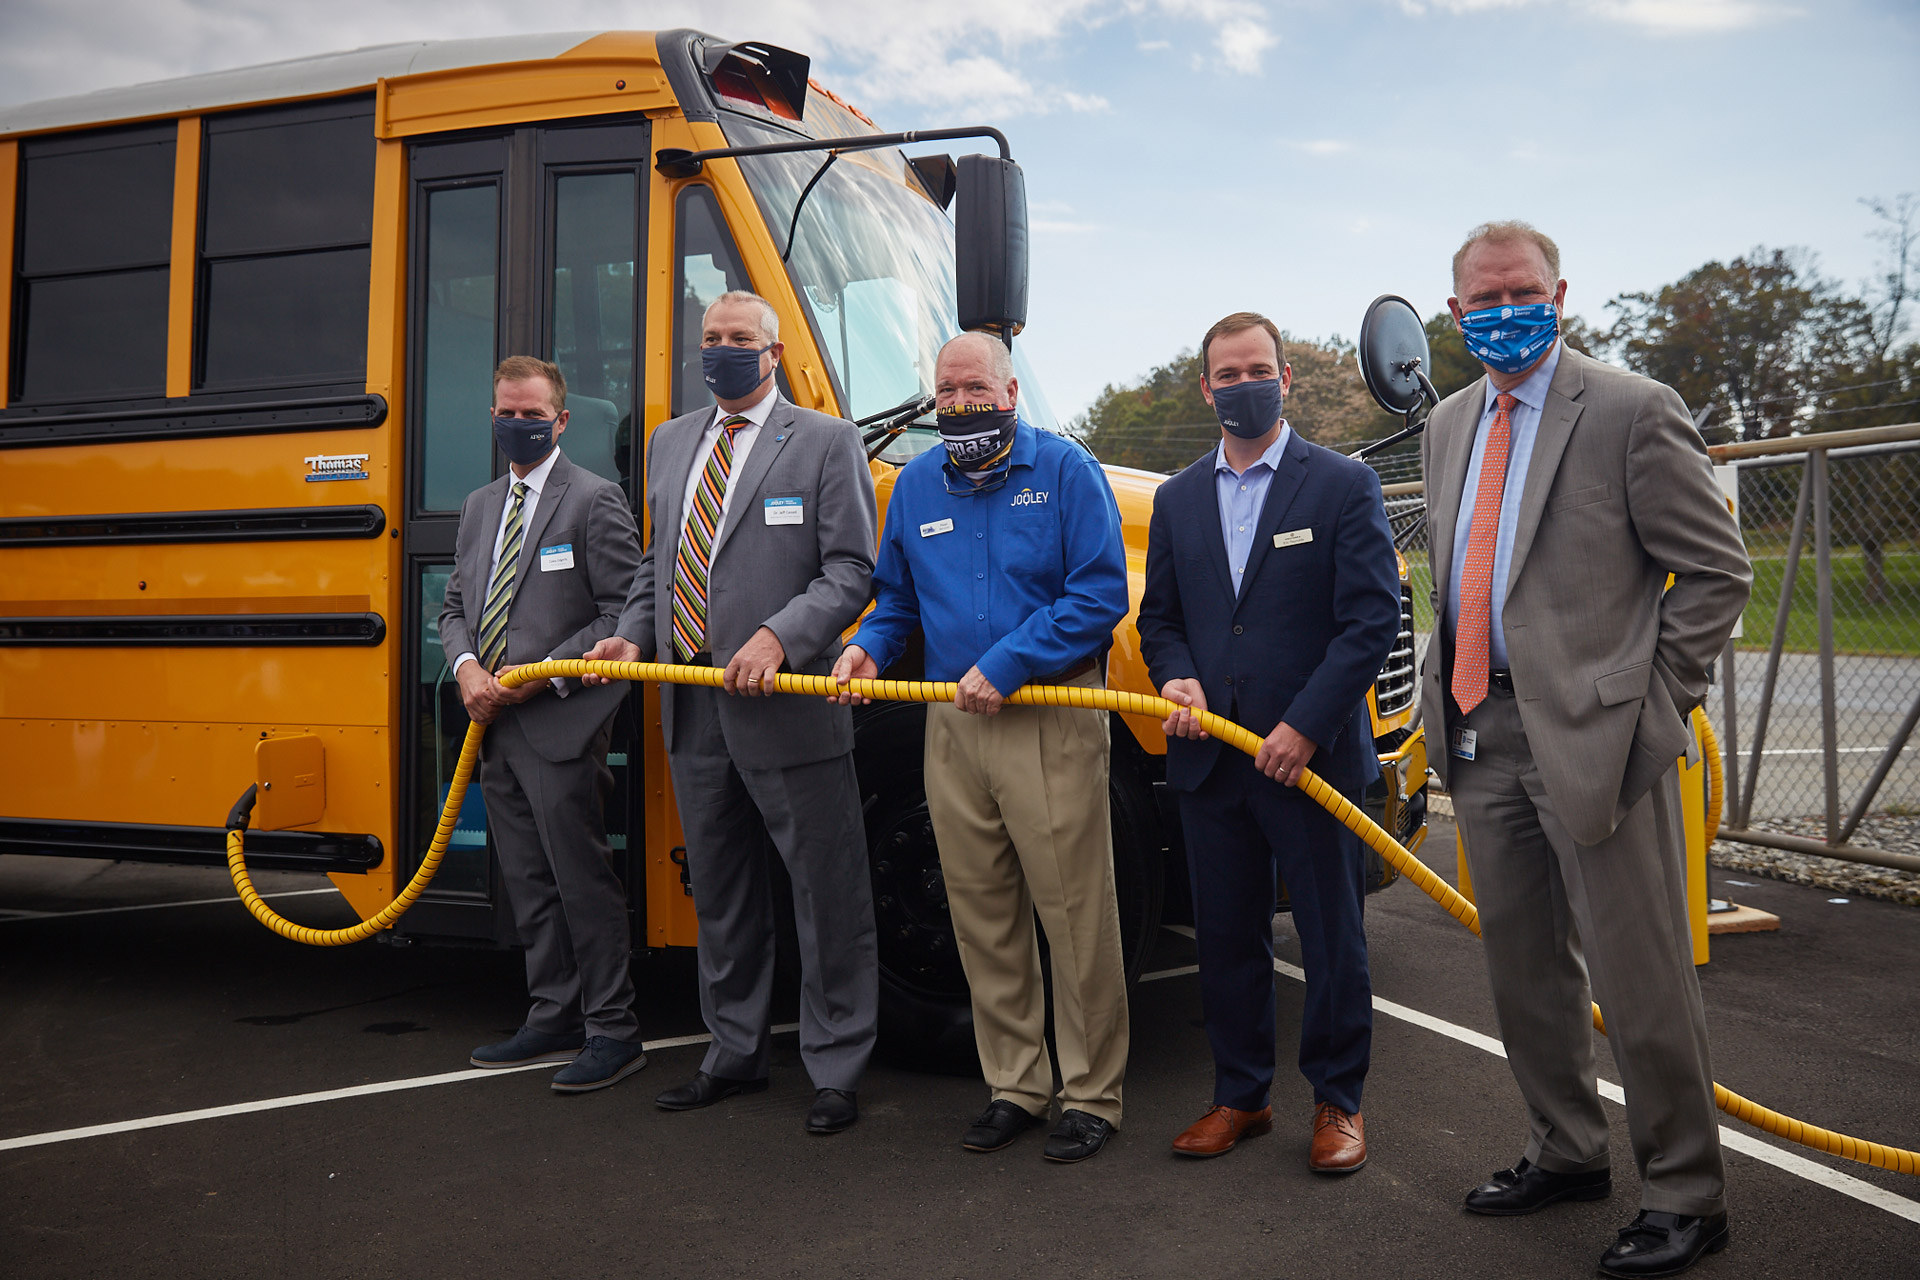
(1523, 428)
(1242, 494)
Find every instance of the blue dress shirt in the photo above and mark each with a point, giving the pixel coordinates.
(1242, 495)
(1020, 579)
(1524, 426)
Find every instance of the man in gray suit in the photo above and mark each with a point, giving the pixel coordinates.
(1561, 493)
(542, 562)
(760, 554)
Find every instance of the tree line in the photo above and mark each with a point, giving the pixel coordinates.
(1766, 343)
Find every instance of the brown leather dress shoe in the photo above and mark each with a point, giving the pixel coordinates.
(1339, 1140)
(1218, 1131)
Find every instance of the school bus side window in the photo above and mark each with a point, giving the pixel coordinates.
(96, 217)
(709, 265)
(284, 256)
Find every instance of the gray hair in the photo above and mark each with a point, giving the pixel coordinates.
(1507, 233)
(769, 318)
(999, 358)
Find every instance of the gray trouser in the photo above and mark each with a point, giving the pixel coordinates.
(1554, 914)
(811, 814)
(549, 826)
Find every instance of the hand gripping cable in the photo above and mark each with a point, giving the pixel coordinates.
(1133, 704)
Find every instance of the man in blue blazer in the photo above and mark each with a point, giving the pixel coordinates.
(1272, 598)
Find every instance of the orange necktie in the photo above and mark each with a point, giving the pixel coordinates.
(1471, 629)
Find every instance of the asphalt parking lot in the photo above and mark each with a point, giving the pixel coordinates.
(114, 1015)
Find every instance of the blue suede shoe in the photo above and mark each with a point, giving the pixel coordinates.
(527, 1047)
(603, 1062)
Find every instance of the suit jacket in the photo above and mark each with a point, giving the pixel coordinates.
(1619, 494)
(1310, 628)
(805, 581)
(557, 613)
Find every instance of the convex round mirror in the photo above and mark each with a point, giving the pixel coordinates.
(1393, 346)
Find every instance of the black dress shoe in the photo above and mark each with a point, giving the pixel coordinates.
(833, 1110)
(998, 1126)
(1663, 1244)
(705, 1090)
(1527, 1187)
(1078, 1136)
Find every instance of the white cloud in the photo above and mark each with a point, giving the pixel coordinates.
(987, 58)
(1664, 17)
(1321, 146)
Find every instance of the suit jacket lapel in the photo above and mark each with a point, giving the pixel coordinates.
(550, 495)
(1286, 482)
(477, 573)
(746, 481)
(1557, 417)
(1444, 503)
(673, 458)
(1211, 536)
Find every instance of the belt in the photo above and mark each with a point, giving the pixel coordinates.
(1078, 669)
(702, 659)
(1501, 680)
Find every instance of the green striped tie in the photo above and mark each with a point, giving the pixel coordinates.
(493, 618)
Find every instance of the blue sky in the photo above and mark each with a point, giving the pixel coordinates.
(1186, 158)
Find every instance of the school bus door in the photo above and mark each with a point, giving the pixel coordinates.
(523, 241)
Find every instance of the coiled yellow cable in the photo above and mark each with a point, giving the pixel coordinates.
(1135, 704)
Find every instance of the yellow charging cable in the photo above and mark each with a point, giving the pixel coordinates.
(1132, 704)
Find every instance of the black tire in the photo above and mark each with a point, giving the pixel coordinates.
(926, 1019)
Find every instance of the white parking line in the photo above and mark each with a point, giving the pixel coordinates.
(9, 917)
(325, 1095)
(1733, 1139)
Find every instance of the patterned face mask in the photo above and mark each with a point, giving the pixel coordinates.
(978, 436)
(1510, 338)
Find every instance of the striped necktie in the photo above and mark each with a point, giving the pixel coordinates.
(1473, 629)
(695, 557)
(493, 618)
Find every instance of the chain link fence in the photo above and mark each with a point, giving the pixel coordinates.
(1817, 707)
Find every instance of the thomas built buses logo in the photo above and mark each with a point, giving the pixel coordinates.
(337, 466)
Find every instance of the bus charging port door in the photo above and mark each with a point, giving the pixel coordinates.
(290, 774)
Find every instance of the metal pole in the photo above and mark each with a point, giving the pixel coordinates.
(1730, 748)
(1881, 770)
(1787, 577)
(1843, 852)
(1823, 578)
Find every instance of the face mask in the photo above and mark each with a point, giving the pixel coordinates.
(524, 440)
(732, 372)
(977, 436)
(1510, 339)
(1249, 409)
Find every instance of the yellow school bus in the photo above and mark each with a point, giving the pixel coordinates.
(246, 344)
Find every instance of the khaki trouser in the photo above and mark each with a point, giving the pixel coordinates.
(1019, 807)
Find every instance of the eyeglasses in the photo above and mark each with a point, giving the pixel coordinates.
(960, 487)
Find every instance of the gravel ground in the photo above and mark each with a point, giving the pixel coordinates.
(1890, 832)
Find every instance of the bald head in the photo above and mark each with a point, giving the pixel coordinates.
(975, 368)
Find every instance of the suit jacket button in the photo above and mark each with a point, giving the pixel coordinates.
(1237, 630)
(1229, 679)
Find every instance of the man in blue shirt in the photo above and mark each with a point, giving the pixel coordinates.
(1272, 597)
(1004, 548)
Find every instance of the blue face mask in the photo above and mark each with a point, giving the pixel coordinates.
(732, 372)
(1249, 409)
(524, 440)
(1510, 339)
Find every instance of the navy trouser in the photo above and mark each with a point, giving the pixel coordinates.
(1240, 826)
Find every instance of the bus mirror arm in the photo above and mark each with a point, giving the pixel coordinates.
(891, 423)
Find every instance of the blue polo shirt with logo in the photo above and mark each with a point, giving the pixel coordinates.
(1021, 579)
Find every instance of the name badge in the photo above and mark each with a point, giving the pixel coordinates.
(932, 527)
(1463, 744)
(1293, 539)
(559, 556)
(785, 511)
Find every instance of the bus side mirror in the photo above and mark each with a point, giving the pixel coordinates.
(990, 246)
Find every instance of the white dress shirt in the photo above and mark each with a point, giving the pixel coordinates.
(756, 416)
(1523, 426)
(535, 480)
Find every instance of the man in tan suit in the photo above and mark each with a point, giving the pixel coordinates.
(1561, 492)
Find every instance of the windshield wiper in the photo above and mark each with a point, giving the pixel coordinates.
(891, 423)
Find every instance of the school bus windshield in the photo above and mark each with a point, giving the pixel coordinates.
(872, 258)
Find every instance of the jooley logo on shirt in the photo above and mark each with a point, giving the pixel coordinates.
(1028, 498)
